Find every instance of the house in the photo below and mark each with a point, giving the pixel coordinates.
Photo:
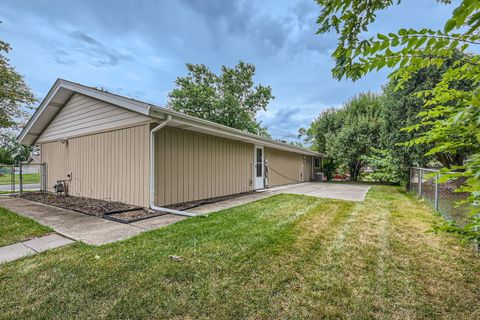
(111, 147)
(34, 158)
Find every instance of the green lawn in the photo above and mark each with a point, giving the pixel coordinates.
(287, 256)
(28, 178)
(15, 228)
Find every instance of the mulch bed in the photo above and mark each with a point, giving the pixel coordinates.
(133, 215)
(111, 210)
(89, 206)
(193, 204)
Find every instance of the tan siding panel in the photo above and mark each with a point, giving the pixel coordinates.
(110, 165)
(210, 166)
(285, 167)
(83, 115)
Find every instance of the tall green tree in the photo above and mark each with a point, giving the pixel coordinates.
(231, 98)
(451, 119)
(401, 109)
(15, 95)
(15, 100)
(347, 134)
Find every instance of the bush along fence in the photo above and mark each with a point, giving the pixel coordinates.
(454, 206)
(22, 178)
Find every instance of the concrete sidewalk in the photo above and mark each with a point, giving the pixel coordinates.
(21, 249)
(75, 225)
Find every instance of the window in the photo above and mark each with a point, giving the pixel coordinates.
(259, 162)
(316, 163)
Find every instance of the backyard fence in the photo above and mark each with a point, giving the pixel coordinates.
(443, 197)
(22, 178)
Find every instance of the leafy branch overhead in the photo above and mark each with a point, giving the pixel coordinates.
(357, 53)
(231, 98)
(450, 119)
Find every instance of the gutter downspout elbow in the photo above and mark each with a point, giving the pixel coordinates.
(153, 173)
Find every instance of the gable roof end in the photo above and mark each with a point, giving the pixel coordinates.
(56, 98)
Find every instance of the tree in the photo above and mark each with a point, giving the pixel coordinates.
(450, 119)
(15, 98)
(5, 156)
(401, 109)
(230, 98)
(384, 165)
(345, 135)
(12, 152)
(15, 95)
(327, 121)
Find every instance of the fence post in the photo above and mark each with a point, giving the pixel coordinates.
(420, 179)
(12, 176)
(410, 178)
(42, 177)
(436, 192)
(477, 243)
(20, 176)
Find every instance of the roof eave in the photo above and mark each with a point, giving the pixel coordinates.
(240, 135)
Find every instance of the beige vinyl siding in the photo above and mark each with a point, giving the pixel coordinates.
(286, 167)
(193, 166)
(111, 165)
(83, 115)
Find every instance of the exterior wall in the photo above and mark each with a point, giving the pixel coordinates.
(286, 167)
(111, 165)
(83, 115)
(193, 166)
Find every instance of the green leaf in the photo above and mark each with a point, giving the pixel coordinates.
(382, 37)
(451, 23)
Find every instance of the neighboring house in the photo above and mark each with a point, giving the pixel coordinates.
(111, 147)
(33, 159)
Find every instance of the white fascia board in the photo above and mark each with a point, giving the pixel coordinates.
(43, 105)
(130, 104)
(28, 137)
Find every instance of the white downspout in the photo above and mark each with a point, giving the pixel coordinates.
(152, 173)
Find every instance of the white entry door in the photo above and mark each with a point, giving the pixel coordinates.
(258, 169)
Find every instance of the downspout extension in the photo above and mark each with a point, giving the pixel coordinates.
(152, 173)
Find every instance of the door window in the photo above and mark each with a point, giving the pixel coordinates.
(259, 163)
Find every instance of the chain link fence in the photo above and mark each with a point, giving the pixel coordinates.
(22, 178)
(452, 205)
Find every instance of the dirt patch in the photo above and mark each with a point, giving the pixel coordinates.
(193, 204)
(89, 206)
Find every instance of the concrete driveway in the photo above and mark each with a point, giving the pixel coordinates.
(341, 191)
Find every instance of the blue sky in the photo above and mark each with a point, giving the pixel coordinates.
(138, 48)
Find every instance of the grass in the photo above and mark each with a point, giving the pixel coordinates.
(28, 178)
(288, 256)
(15, 228)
